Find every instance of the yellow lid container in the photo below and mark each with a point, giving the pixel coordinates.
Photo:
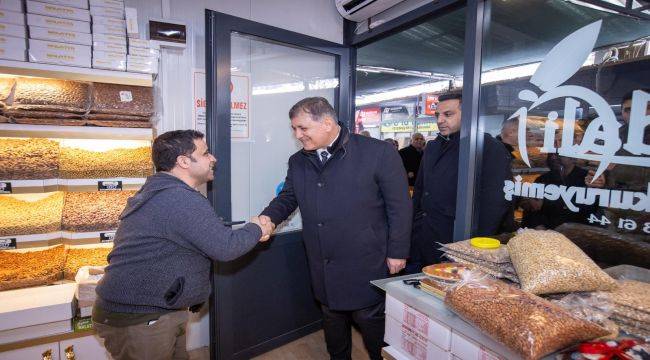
(485, 243)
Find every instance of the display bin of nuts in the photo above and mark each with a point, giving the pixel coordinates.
(85, 255)
(24, 214)
(93, 211)
(107, 159)
(31, 267)
(28, 159)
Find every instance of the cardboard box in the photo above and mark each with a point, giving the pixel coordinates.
(412, 344)
(131, 22)
(13, 30)
(465, 349)
(35, 306)
(110, 39)
(13, 52)
(60, 11)
(109, 60)
(150, 68)
(100, 46)
(12, 17)
(144, 52)
(58, 23)
(80, 4)
(435, 332)
(12, 5)
(118, 4)
(71, 37)
(108, 21)
(107, 12)
(109, 30)
(59, 53)
(140, 43)
(11, 41)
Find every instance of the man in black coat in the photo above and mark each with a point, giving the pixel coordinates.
(434, 196)
(353, 197)
(412, 155)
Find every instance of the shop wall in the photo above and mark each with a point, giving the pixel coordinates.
(174, 84)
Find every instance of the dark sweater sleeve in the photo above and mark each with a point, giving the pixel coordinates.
(393, 185)
(285, 203)
(193, 219)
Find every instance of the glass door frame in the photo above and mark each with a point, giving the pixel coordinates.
(219, 28)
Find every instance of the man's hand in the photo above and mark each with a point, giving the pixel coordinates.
(598, 183)
(266, 226)
(395, 265)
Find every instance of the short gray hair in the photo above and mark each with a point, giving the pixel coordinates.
(316, 107)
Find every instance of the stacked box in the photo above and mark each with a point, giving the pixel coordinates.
(13, 43)
(59, 32)
(143, 57)
(109, 35)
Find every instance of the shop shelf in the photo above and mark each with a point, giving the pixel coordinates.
(75, 132)
(23, 68)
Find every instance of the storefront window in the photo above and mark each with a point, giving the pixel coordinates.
(565, 93)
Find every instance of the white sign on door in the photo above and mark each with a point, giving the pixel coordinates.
(240, 95)
(198, 98)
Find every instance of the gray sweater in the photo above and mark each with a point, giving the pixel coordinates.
(163, 248)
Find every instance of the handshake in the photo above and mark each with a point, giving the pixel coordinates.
(264, 222)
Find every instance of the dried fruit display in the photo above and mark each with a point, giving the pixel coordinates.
(527, 324)
(28, 159)
(548, 263)
(78, 257)
(30, 213)
(122, 99)
(85, 164)
(31, 268)
(51, 95)
(94, 211)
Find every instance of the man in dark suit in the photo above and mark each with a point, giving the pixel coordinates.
(434, 196)
(353, 197)
(412, 155)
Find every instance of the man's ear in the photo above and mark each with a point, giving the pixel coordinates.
(329, 123)
(183, 161)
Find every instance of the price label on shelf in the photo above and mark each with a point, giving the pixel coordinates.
(5, 188)
(7, 243)
(106, 237)
(109, 185)
(126, 96)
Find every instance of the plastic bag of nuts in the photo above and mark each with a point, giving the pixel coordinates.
(527, 324)
(547, 262)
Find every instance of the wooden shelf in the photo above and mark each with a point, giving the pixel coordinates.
(75, 132)
(23, 68)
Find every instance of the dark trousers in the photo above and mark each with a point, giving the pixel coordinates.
(424, 247)
(338, 331)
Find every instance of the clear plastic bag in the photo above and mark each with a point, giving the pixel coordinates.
(527, 324)
(594, 307)
(87, 279)
(547, 263)
(498, 256)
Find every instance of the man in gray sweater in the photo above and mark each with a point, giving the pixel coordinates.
(160, 264)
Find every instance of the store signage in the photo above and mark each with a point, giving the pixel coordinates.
(427, 126)
(600, 142)
(109, 185)
(199, 101)
(369, 116)
(395, 110)
(430, 104)
(5, 188)
(240, 91)
(7, 243)
(398, 126)
(107, 237)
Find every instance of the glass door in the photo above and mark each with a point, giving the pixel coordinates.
(255, 74)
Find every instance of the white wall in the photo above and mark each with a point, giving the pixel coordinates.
(317, 18)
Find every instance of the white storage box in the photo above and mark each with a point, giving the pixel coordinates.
(60, 11)
(100, 46)
(144, 52)
(13, 30)
(142, 64)
(12, 5)
(58, 23)
(13, 42)
(111, 39)
(12, 17)
(81, 4)
(433, 331)
(35, 331)
(36, 306)
(59, 53)
(109, 29)
(9, 52)
(131, 15)
(466, 349)
(118, 4)
(109, 60)
(107, 12)
(141, 43)
(108, 21)
(71, 37)
(412, 344)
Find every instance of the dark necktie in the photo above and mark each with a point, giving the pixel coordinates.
(324, 155)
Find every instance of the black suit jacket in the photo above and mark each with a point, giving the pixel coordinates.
(411, 158)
